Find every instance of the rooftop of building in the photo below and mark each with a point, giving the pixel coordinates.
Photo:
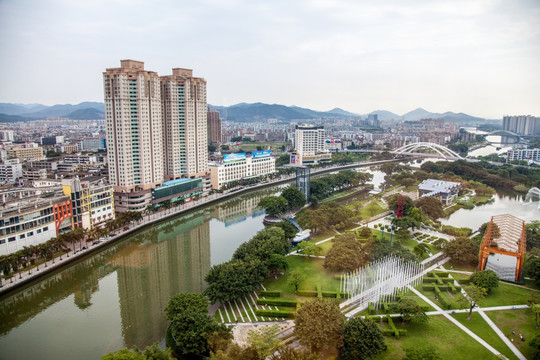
(177, 181)
(437, 185)
(26, 204)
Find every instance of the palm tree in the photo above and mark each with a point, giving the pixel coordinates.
(27, 254)
(5, 267)
(16, 262)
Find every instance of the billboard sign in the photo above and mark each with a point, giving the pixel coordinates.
(234, 157)
(260, 154)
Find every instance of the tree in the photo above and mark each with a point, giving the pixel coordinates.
(265, 341)
(486, 279)
(422, 353)
(421, 250)
(289, 229)
(431, 207)
(393, 203)
(190, 324)
(295, 198)
(152, 352)
(346, 254)
(462, 251)
(535, 344)
(533, 234)
(411, 311)
(212, 148)
(266, 242)
(309, 248)
(362, 339)
(475, 294)
(234, 279)
(273, 205)
(296, 278)
(277, 262)
(319, 324)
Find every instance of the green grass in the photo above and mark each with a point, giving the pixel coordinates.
(461, 267)
(372, 209)
(507, 294)
(481, 328)
(315, 274)
(325, 246)
(522, 322)
(410, 295)
(450, 341)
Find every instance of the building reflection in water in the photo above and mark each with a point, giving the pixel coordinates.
(168, 258)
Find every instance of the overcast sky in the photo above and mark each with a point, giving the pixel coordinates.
(477, 57)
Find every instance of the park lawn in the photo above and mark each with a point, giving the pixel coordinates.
(461, 267)
(506, 294)
(408, 244)
(410, 295)
(481, 328)
(315, 274)
(372, 209)
(322, 235)
(450, 341)
(531, 284)
(325, 246)
(522, 322)
(460, 276)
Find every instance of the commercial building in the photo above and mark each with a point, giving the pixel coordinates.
(25, 153)
(52, 140)
(183, 99)
(309, 145)
(43, 164)
(10, 171)
(214, 127)
(445, 191)
(69, 148)
(92, 201)
(32, 221)
(522, 124)
(177, 190)
(239, 166)
(523, 154)
(92, 144)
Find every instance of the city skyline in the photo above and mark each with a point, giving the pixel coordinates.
(476, 57)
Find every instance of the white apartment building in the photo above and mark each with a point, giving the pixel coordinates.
(523, 154)
(10, 171)
(134, 126)
(238, 166)
(185, 124)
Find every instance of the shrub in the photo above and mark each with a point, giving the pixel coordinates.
(371, 309)
(277, 302)
(319, 291)
(270, 293)
(329, 294)
(275, 313)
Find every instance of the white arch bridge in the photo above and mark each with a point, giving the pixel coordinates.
(533, 195)
(437, 151)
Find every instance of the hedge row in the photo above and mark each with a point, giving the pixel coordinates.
(277, 302)
(275, 313)
(270, 293)
(307, 293)
(442, 300)
(333, 294)
(451, 287)
(438, 273)
(319, 291)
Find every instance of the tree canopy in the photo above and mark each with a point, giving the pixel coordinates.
(266, 242)
(431, 207)
(411, 311)
(295, 198)
(362, 339)
(346, 254)
(462, 251)
(152, 352)
(273, 205)
(475, 294)
(486, 279)
(190, 324)
(319, 324)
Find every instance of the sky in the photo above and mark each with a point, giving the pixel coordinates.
(480, 57)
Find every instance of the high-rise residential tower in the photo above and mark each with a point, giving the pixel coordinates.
(134, 132)
(522, 124)
(214, 127)
(309, 145)
(185, 124)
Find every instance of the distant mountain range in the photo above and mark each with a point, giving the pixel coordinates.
(242, 112)
(23, 112)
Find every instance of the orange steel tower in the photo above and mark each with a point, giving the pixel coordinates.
(504, 235)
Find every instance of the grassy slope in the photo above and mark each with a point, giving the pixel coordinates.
(522, 322)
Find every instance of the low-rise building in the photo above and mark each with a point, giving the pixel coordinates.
(445, 191)
(43, 164)
(34, 174)
(10, 171)
(523, 154)
(239, 166)
(92, 201)
(32, 221)
(177, 190)
(25, 153)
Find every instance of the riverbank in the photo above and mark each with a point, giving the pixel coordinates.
(26, 277)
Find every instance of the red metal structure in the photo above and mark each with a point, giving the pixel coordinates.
(504, 235)
(400, 204)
